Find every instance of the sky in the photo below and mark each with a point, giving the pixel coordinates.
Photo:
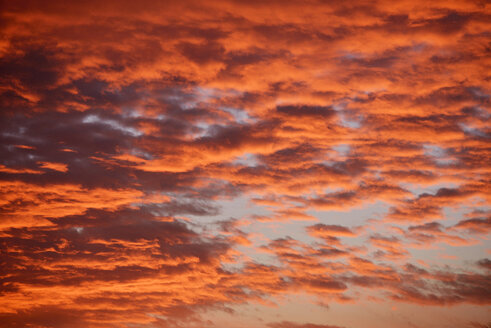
(245, 164)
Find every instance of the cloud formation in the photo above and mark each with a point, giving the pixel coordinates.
(200, 164)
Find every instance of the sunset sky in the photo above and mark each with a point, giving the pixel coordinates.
(245, 164)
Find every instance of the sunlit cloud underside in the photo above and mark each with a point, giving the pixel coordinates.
(245, 164)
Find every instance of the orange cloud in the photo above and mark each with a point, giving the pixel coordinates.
(120, 121)
(25, 205)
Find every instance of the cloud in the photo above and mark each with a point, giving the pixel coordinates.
(321, 230)
(485, 263)
(24, 204)
(288, 324)
(474, 225)
(160, 161)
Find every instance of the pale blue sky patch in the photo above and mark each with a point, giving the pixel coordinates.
(346, 120)
(91, 118)
(241, 116)
(438, 154)
(247, 159)
(474, 131)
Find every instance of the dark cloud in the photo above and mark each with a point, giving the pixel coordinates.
(306, 111)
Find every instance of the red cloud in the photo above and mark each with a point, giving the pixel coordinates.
(120, 121)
